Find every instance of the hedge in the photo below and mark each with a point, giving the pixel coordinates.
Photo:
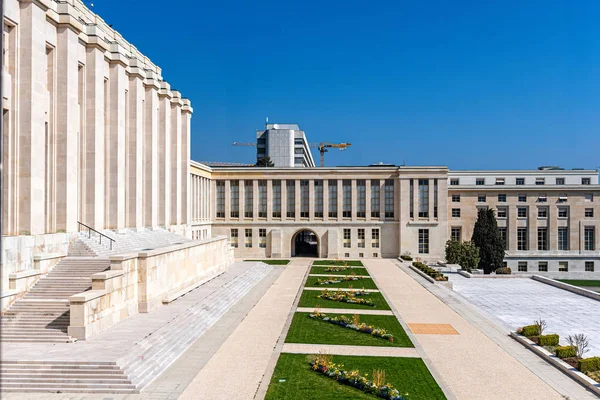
(566, 351)
(503, 271)
(531, 330)
(548, 340)
(434, 273)
(591, 364)
(406, 257)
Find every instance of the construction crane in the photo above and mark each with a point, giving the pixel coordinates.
(322, 147)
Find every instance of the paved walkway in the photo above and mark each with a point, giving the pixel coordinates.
(346, 350)
(346, 311)
(471, 364)
(518, 302)
(246, 353)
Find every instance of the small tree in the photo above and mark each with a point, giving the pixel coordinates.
(453, 251)
(264, 162)
(469, 259)
(581, 341)
(486, 236)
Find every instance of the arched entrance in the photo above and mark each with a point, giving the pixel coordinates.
(305, 243)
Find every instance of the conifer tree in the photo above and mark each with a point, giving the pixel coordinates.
(486, 236)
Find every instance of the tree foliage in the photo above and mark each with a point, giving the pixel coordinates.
(486, 236)
(264, 162)
(465, 254)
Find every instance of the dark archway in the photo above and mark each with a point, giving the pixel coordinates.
(305, 243)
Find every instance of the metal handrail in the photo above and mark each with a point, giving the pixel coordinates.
(90, 230)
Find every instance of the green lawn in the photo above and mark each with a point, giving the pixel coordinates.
(309, 299)
(366, 283)
(339, 263)
(307, 330)
(581, 282)
(300, 382)
(273, 262)
(321, 270)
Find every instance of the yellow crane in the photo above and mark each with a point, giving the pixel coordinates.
(322, 147)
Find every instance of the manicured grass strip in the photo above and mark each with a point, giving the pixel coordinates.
(300, 382)
(308, 330)
(357, 271)
(365, 283)
(273, 262)
(309, 299)
(340, 263)
(581, 282)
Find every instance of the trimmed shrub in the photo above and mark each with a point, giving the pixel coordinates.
(531, 330)
(503, 271)
(406, 257)
(591, 364)
(548, 340)
(566, 351)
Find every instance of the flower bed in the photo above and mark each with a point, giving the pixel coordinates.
(346, 296)
(325, 366)
(335, 269)
(435, 274)
(338, 279)
(355, 324)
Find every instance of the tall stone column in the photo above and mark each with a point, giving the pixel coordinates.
(135, 148)
(186, 121)
(94, 133)
(150, 181)
(283, 199)
(532, 227)
(325, 199)
(255, 200)
(270, 200)
(67, 128)
(311, 199)
(382, 199)
(353, 202)
(552, 223)
(367, 200)
(164, 155)
(430, 199)
(297, 199)
(340, 197)
(176, 157)
(227, 200)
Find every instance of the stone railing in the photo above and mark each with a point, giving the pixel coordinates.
(142, 281)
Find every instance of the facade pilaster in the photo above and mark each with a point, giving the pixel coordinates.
(325, 199)
(297, 199)
(135, 149)
(164, 155)
(367, 200)
(186, 126)
(270, 200)
(176, 155)
(340, 202)
(151, 161)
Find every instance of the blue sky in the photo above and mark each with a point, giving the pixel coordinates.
(467, 84)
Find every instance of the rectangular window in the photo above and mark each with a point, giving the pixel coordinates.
(248, 238)
(318, 198)
(589, 238)
(347, 198)
(589, 266)
(361, 237)
(522, 266)
(333, 198)
(424, 241)
(542, 239)
(456, 233)
(589, 213)
(522, 239)
(520, 181)
(543, 212)
(504, 236)
(522, 212)
(262, 238)
(560, 181)
(220, 199)
(502, 198)
(262, 198)
(563, 266)
(234, 238)
(542, 198)
(290, 186)
(540, 181)
(304, 199)
(234, 201)
(563, 238)
(480, 181)
(361, 198)
(456, 198)
(435, 198)
(456, 212)
(375, 198)
(347, 238)
(543, 266)
(375, 238)
(502, 211)
(586, 181)
(412, 198)
(423, 198)
(588, 197)
(481, 198)
(522, 198)
(499, 181)
(248, 198)
(276, 184)
(389, 198)
(454, 182)
(563, 212)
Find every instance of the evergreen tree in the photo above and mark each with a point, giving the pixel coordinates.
(486, 236)
(264, 162)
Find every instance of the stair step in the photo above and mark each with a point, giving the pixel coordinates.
(59, 385)
(61, 364)
(67, 380)
(46, 389)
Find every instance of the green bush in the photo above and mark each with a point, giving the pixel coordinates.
(591, 364)
(548, 340)
(434, 273)
(503, 271)
(566, 351)
(406, 257)
(531, 330)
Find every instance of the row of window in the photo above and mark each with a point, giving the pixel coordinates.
(423, 198)
(563, 266)
(305, 198)
(347, 238)
(522, 212)
(262, 237)
(519, 181)
(522, 198)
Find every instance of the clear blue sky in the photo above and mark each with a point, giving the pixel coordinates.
(468, 84)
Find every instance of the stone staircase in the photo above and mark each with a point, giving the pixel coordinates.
(64, 377)
(125, 241)
(42, 315)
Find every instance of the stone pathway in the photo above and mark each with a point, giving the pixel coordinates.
(344, 289)
(245, 355)
(348, 311)
(471, 364)
(346, 350)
